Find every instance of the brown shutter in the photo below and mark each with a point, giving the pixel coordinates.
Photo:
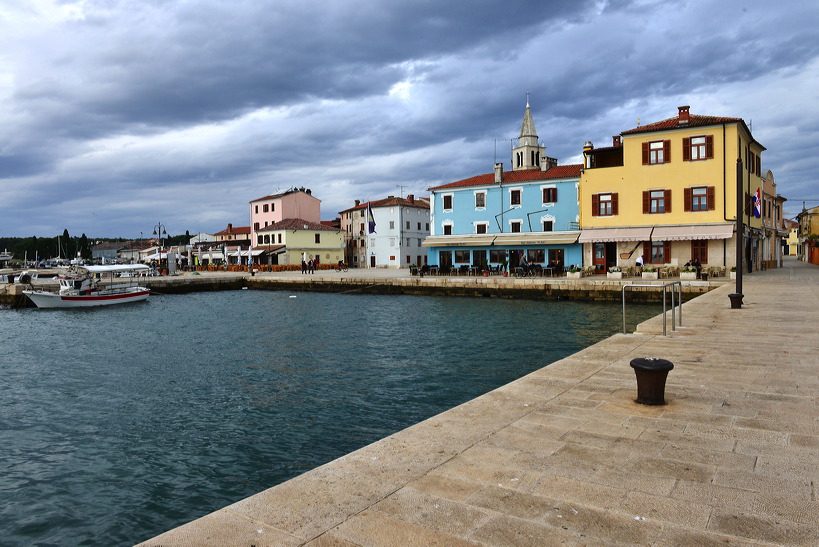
(646, 202)
(711, 196)
(709, 146)
(666, 151)
(667, 199)
(554, 195)
(645, 153)
(595, 205)
(687, 149)
(759, 165)
(687, 192)
(667, 251)
(615, 208)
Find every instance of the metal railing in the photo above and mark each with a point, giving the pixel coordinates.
(677, 306)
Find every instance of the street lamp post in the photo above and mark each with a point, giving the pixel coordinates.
(159, 231)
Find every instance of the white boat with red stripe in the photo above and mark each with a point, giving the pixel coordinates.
(88, 286)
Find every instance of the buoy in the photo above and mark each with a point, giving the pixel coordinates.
(292, 296)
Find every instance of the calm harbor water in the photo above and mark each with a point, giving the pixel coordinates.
(119, 423)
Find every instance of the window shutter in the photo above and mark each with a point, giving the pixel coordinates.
(646, 202)
(666, 251)
(711, 196)
(687, 199)
(759, 165)
(554, 195)
(687, 149)
(614, 204)
(595, 205)
(645, 153)
(709, 146)
(666, 151)
(667, 199)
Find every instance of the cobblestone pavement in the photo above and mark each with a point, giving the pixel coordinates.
(566, 456)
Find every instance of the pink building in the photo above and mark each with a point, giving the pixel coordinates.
(294, 203)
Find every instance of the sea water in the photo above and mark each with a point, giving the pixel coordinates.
(119, 423)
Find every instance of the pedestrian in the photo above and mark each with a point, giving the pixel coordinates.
(312, 266)
(640, 261)
(303, 266)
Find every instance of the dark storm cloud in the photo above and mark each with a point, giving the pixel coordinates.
(119, 111)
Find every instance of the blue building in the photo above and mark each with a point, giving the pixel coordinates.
(495, 218)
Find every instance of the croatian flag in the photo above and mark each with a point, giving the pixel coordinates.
(370, 219)
(758, 204)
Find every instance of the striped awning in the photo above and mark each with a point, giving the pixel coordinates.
(603, 235)
(693, 231)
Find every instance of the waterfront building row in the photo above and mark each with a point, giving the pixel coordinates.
(665, 193)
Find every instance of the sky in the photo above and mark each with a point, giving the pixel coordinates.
(120, 115)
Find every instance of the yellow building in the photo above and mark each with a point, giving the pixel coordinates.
(667, 191)
(792, 243)
(290, 240)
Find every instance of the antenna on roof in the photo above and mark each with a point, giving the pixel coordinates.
(401, 188)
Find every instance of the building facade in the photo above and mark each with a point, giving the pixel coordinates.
(492, 220)
(774, 231)
(399, 226)
(287, 241)
(667, 191)
(294, 203)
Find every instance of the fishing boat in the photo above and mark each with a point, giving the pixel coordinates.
(86, 286)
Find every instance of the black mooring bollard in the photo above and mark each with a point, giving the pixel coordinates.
(736, 300)
(651, 374)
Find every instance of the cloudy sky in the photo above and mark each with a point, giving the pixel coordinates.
(119, 114)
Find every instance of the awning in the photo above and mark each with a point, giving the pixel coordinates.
(601, 235)
(537, 239)
(516, 238)
(693, 231)
(457, 241)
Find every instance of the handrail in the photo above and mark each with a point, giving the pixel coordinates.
(665, 290)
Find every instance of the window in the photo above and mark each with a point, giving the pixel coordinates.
(699, 199)
(548, 225)
(427, 226)
(392, 242)
(549, 195)
(497, 256)
(255, 225)
(699, 250)
(267, 238)
(480, 199)
(698, 148)
(318, 238)
(256, 209)
(514, 197)
(447, 229)
(536, 255)
(515, 226)
(280, 238)
(392, 225)
(419, 226)
(604, 205)
(478, 258)
(408, 259)
(361, 228)
(480, 227)
(656, 152)
(408, 225)
(259, 240)
(447, 202)
(656, 201)
(462, 257)
(659, 252)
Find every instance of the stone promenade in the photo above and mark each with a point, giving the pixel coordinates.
(565, 455)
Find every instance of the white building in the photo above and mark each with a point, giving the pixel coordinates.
(400, 226)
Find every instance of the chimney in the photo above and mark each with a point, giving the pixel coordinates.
(683, 115)
(230, 227)
(615, 140)
(498, 173)
(357, 202)
(411, 198)
(309, 192)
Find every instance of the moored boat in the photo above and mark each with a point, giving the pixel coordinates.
(87, 286)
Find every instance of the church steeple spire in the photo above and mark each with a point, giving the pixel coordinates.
(528, 152)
